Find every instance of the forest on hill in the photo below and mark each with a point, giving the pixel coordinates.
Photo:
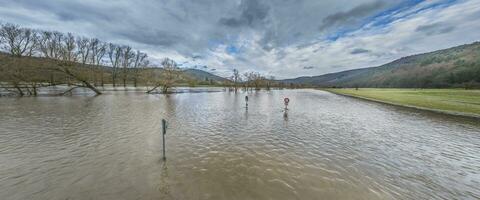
(449, 68)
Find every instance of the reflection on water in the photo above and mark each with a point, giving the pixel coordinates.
(285, 115)
(164, 183)
(109, 147)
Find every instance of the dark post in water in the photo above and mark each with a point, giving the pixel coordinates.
(286, 101)
(164, 131)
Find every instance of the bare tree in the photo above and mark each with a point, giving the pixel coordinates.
(100, 54)
(270, 82)
(83, 48)
(140, 60)
(54, 45)
(169, 73)
(114, 54)
(68, 48)
(253, 80)
(127, 59)
(68, 69)
(236, 79)
(247, 80)
(97, 49)
(51, 44)
(18, 41)
(257, 80)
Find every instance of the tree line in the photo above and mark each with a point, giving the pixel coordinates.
(80, 60)
(252, 80)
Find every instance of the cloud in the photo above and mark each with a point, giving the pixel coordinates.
(273, 37)
(435, 28)
(352, 16)
(195, 57)
(359, 51)
(149, 37)
(308, 67)
(252, 12)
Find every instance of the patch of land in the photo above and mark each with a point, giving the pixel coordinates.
(451, 101)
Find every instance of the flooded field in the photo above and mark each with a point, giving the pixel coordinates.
(326, 146)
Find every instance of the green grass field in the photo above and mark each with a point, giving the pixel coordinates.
(447, 100)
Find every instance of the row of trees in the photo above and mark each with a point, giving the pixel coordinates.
(69, 51)
(252, 80)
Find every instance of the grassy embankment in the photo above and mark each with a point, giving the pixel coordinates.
(451, 101)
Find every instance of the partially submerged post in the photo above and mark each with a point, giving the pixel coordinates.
(246, 102)
(164, 132)
(286, 100)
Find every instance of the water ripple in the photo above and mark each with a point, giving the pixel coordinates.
(326, 146)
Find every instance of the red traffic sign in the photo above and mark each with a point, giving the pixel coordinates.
(286, 101)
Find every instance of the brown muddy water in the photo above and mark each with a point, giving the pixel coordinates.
(325, 147)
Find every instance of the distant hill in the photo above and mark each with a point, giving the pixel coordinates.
(203, 75)
(453, 67)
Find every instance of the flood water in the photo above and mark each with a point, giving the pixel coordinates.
(325, 147)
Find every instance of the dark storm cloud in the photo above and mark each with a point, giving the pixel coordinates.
(72, 10)
(359, 51)
(337, 66)
(158, 37)
(352, 16)
(304, 60)
(308, 67)
(269, 40)
(435, 29)
(252, 12)
(196, 57)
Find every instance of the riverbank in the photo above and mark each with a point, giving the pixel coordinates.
(449, 101)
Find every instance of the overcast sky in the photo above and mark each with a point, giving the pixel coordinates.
(282, 38)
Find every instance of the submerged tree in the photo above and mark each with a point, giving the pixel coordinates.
(18, 42)
(114, 54)
(127, 59)
(98, 49)
(270, 82)
(236, 79)
(253, 80)
(69, 69)
(170, 71)
(140, 61)
(257, 80)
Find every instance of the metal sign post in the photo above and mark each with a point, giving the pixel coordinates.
(164, 132)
